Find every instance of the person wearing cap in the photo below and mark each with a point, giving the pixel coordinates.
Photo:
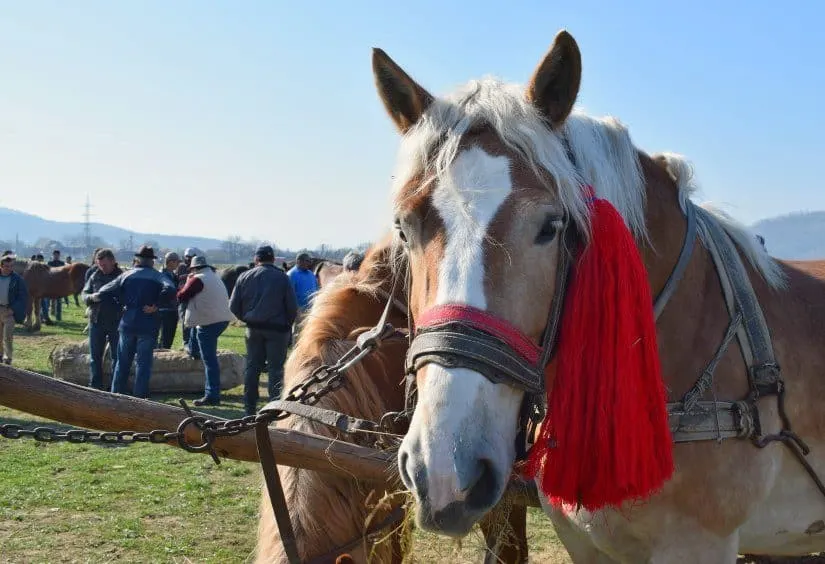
(104, 316)
(141, 291)
(207, 312)
(13, 299)
(56, 305)
(66, 298)
(44, 302)
(352, 261)
(169, 311)
(190, 344)
(263, 298)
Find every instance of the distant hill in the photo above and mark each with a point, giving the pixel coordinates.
(30, 228)
(796, 236)
(799, 235)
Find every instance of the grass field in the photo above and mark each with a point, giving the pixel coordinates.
(149, 503)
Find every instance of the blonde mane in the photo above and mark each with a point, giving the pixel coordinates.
(328, 511)
(604, 155)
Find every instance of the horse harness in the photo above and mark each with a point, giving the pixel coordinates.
(485, 344)
(481, 347)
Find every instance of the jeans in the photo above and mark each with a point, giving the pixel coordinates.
(168, 326)
(44, 308)
(6, 333)
(57, 309)
(190, 341)
(98, 335)
(264, 345)
(129, 346)
(207, 339)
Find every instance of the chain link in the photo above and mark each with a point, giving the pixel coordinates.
(51, 435)
(326, 379)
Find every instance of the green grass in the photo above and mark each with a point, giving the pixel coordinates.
(150, 503)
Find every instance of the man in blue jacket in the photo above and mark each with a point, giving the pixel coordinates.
(13, 298)
(141, 291)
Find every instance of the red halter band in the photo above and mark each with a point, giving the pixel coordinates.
(483, 321)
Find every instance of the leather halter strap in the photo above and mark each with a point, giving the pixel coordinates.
(456, 335)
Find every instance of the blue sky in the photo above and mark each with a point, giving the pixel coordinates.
(261, 119)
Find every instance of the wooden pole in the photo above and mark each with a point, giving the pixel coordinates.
(71, 404)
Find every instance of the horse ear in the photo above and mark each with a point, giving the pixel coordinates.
(555, 82)
(404, 99)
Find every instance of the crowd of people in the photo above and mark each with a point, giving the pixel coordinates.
(137, 311)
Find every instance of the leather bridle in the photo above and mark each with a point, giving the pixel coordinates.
(456, 335)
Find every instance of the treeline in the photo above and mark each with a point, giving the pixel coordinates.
(233, 250)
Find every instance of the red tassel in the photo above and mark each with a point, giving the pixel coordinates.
(606, 438)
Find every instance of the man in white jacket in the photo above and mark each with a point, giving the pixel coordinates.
(207, 313)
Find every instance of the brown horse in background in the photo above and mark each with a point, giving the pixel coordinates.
(329, 512)
(326, 272)
(43, 281)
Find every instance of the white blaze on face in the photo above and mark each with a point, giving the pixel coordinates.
(468, 198)
(462, 417)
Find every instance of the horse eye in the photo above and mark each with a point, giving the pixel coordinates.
(548, 230)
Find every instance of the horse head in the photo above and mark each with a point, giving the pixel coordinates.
(483, 189)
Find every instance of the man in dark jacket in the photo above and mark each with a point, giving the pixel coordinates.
(169, 311)
(263, 298)
(104, 316)
(56, 304)
(140, 290)
(13, 298)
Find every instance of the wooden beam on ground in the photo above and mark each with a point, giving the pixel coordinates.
(71, 404)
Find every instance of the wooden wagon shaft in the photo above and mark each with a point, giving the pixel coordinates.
(71, 404)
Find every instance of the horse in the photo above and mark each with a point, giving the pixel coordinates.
(326, 272)
(490, 181)
(43, 281)
(328, 512)
(229, 275)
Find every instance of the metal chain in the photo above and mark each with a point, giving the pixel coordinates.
(51, 435)
(328, 378)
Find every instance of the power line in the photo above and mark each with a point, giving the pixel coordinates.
(87, 225)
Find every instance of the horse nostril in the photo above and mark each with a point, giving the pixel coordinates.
(482, 494)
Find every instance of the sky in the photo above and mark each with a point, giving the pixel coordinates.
(261, 119)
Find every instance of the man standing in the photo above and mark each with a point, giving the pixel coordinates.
(190, 342)
(66, 299)
(44, 302)
(141, 291)
(104, 316)
(207, 315)
(264, 300)
(13, 298)
(92, 269)
(304, 284)
(56, 304)
(169, 311)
